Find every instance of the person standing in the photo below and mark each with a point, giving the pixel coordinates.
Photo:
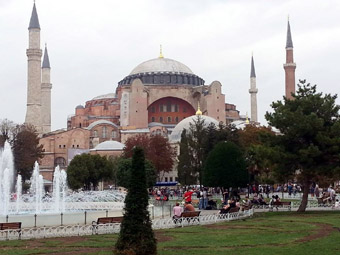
(187, 196)
(205, 198)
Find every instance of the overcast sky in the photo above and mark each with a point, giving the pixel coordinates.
(95, 44)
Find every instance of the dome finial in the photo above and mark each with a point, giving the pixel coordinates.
(160, 51)
(198, 109)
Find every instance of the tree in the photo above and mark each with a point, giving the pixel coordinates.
(157, 149)
(6, 131)
(186, 174)
(136, 235)
(309, 144)
(196, 134)
(124, 173)
(86, 171)
(26, 149)
(225, 167)
(257, 163)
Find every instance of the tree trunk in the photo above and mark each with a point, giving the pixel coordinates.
(303, 205)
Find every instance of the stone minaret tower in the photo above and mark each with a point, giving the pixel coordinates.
(34, 53)
(253, 91)
(46, 87)
(289, 66)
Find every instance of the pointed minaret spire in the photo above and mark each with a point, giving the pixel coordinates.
(289, 66)
(289, 43)
(46, 61)
(34, 22)
(253, 91)
(252, 71)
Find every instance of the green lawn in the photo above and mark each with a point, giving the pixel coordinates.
(267, 233)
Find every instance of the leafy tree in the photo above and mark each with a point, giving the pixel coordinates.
(186, 175)
(86, 171)
(136, 235)
(124, 173)
(157, 149)
(225, 167)
(258, 165)
(26, 149)
(78, 172)
(309, 144)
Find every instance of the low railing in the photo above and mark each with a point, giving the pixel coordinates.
(112, 228)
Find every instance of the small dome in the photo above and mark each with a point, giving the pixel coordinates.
(109, 146)
(155, 124)
(80, 107)
(161, 65)
(185, 124)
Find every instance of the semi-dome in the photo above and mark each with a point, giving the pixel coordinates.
(185, 124)
(109, 146)
(163, 71)
(161, 65)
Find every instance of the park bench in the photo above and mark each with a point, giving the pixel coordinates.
(279, 204)
(106, 220)
(188, 216)
(234, 210)
(246, 207)
(11, 226)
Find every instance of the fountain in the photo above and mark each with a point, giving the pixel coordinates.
(15, 206)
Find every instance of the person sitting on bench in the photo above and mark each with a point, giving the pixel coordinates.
(227, 207)
(188, 207)
(177, 210)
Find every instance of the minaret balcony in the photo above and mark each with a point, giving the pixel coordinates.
(253, 90)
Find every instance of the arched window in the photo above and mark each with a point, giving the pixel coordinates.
(114, 134)
(95, 133)
(104, 132)
(60, 161)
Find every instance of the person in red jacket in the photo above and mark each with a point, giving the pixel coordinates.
(187, 196)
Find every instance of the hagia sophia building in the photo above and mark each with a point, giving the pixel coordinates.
(159, 96)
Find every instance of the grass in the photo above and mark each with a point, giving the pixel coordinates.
(311, 233)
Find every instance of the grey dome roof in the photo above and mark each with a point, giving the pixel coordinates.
(161, 65)
(185, 124)
(109, 146)
(155, 124)
(80, 107)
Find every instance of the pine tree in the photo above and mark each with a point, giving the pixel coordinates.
(136, 235)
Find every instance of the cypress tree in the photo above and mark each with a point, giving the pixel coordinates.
(136, 235)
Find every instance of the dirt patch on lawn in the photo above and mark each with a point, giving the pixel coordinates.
(162, 237)
(323, 230)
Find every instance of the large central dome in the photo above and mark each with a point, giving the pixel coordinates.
(161, 65)
(163, 71)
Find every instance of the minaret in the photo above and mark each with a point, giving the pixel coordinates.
(253, 91)
(34, 53)
(289, 66)
(46, 87)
